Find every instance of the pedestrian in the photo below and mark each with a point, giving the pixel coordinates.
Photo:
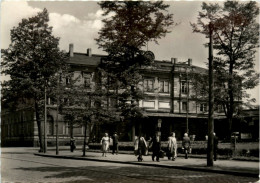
(186, 145)
(115, 143)
(172, 147)
(105, 144)
(156, 146)
(141, 146)
(215, 146)
(72, 144)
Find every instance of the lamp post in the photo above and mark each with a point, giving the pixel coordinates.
(159, 126)
(211, 101)
(57, 114)
(187, 98)
(45, 119)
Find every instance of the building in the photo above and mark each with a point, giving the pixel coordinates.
(169, 105)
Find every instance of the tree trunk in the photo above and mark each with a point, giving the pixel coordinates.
(38, 120)
(231, 95)
(85, 140)
(91, 133)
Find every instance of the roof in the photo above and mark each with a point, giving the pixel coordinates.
(95, 59)
(84, 59)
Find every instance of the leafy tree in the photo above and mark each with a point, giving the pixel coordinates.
(235, 39)
(81, 105)
(31, 59)
(128, 27)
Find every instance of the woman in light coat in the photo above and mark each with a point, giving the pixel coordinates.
(140, 146)
(105, 144)
(172, 147)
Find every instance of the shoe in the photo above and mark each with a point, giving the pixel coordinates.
(173, 159)
(153, 159)
(158, 160)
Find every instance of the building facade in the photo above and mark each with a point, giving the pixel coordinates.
(169, 105)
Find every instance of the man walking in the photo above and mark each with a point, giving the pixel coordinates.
(115, 143)
(186, 144)
(156, 146)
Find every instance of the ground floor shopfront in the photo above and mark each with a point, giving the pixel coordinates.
(197, 127)
(27, 133)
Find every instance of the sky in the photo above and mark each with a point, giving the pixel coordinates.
(78, 22)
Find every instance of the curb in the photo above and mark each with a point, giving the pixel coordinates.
(228, 172)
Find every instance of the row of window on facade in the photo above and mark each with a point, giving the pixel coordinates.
(26, 129)
(17, 129)
(63, 129)
(148, 84)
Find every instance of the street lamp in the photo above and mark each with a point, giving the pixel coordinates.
(45, 119)
(187, 98)
(57, 113)
(159, 126)
(211, 100)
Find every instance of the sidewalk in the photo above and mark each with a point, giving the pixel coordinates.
(232, 167)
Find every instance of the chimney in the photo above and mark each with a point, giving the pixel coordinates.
(89, 53)
(71, 50)
(175, 60)
(172, 60)
(189, 61)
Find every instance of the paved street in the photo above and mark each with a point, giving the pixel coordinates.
(21, 165)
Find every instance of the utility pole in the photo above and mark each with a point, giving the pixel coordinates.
(187, 98)
(45, 119)
(57, 115)
(211, 101)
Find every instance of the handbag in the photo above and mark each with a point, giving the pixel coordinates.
(161, 154)
(190, 150)
(168, 153)
(136, 152)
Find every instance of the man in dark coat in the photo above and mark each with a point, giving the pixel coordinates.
(72, 144)
(186, 145)
(156, 146)
(115, 143)
(215, 147)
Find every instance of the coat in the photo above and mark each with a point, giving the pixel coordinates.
(186, 142)
(115, 139)
(156, 144)
(172, 145)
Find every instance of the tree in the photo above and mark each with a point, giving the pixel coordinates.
(31, 59)
(128, 27)
(236, 39)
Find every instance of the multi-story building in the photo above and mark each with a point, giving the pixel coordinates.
(169, 105)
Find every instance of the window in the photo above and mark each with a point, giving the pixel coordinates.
(184, 106)
(50, 128)
(148, 85)
(184, 88)
(86, 82)
(203, 107)
(112, 102)
(66, 101)
(164, 86)
(67, 81)
(220, 109)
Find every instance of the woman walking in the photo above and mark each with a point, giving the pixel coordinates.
(105, 144)
(141, 146)
(172, 147)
